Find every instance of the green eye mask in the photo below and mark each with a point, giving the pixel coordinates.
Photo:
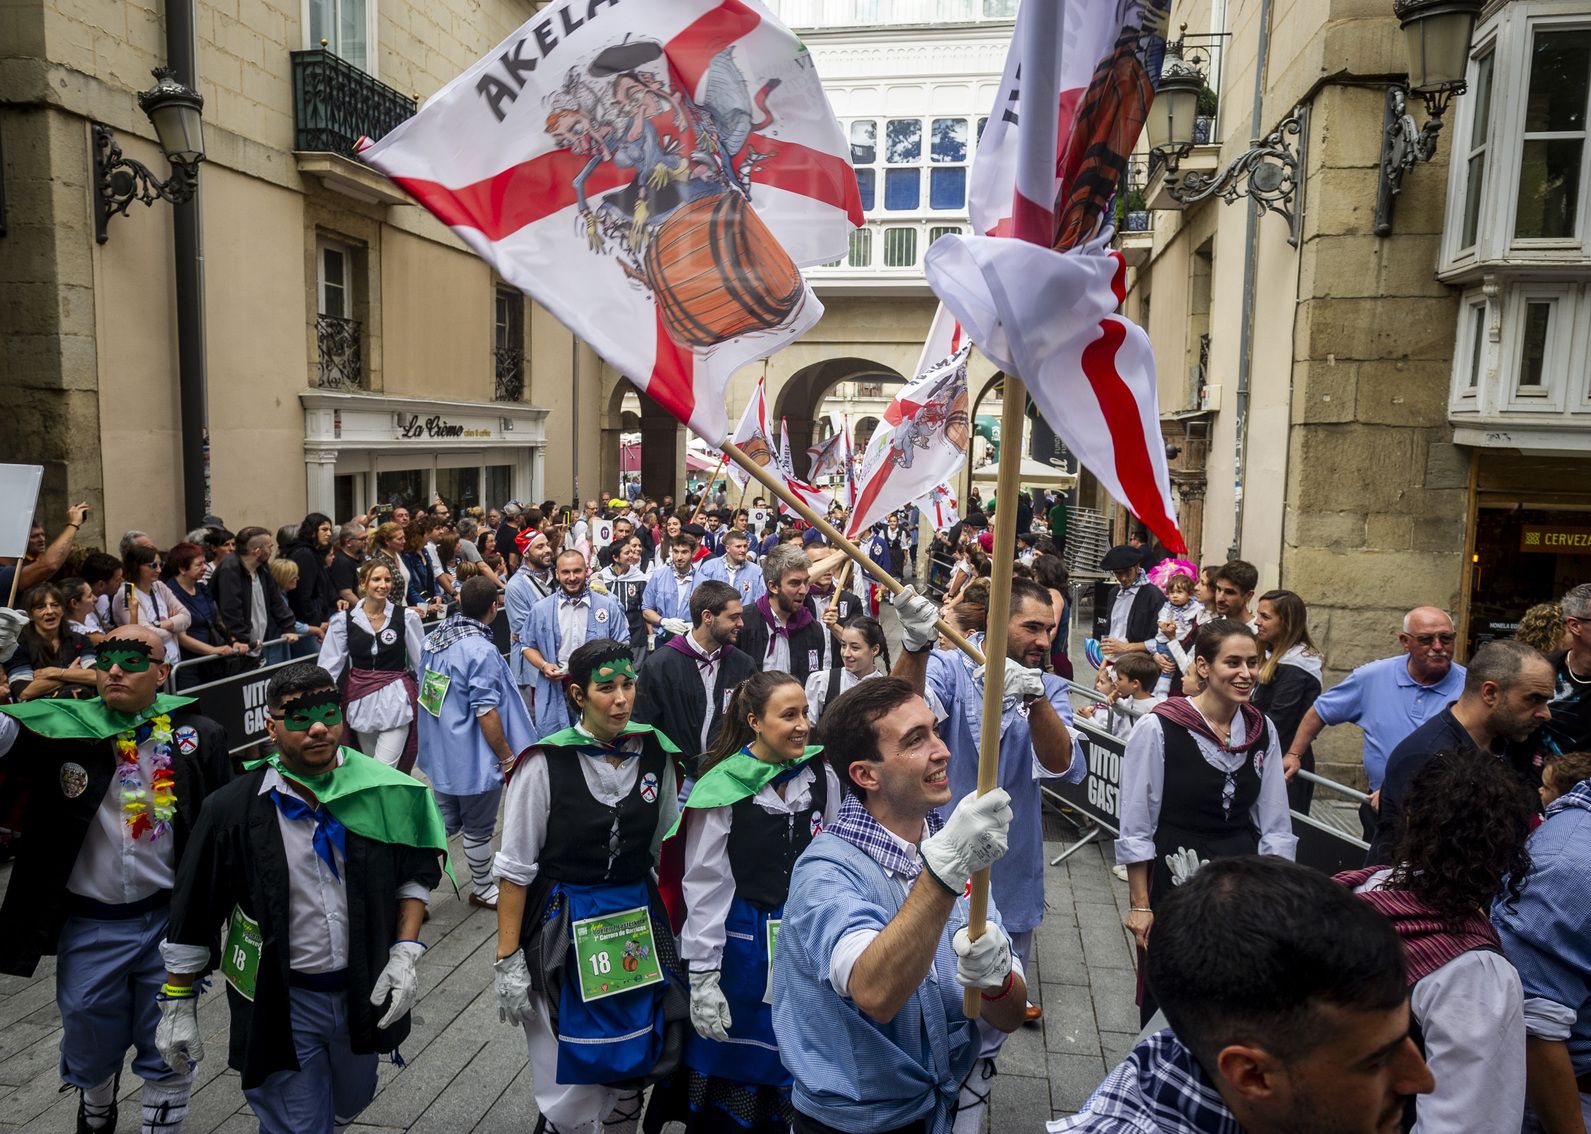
(303, 713)
(131, 656)
(612, 670)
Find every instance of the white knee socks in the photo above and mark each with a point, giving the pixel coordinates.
(973, 1103)
(165, 1106)
(478, 852)
(98, 1103)
(625, 1117)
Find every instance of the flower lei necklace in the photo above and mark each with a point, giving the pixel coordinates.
(140, 812)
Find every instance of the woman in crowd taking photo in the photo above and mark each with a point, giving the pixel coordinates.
(1289, 681)
(157, 607)
(761, 797)
(205, 637)
(1201, 779)
(372, 651)
(584, 814)
(51, 659)
(862, 649)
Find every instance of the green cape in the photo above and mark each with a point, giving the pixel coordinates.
(737, 776)
(86, 720)
(376, 801)
(574, 738)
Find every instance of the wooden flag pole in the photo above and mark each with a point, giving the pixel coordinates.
(800, 507)
(703, 499)
(1007, 484)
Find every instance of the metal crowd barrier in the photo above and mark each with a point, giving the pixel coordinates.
(1092, 807)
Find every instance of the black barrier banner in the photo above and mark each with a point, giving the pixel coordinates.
(1099, 797)
(237, 704)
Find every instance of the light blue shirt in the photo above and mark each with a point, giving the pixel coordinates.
(665, 597)
(1388, 704)
(454, 754)
(747, 579)
(1016, 881)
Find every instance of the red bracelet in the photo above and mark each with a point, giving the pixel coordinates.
(1005, 989)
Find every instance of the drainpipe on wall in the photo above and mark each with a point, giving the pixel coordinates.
(188, 250)
(1245, 347)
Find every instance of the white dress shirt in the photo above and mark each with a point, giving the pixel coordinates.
(317, 900)
(1143, 785)
(389, 706)
(818, 688)
(113, 867)
(709, 882)
(709, 675)
(528, 801)
(572, 620)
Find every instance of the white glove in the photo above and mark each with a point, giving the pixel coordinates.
(177, 1034)
(399, 979)
(11, 624)
(676, 626)
(1018, 680)
(917, 617)
(1183, 864)
(511, 979)
(984, 963)
(709, 1008)
(976, 834)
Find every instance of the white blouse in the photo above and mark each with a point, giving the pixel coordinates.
(1143, 786)
(818, 689)
(389, 706)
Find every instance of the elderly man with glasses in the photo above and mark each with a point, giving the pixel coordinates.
(114, 787)
(1388, 698)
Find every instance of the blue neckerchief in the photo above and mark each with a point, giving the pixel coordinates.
(143, 732)
(328, 832)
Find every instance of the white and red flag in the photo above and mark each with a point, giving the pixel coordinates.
(653, 173)
(1049, 164)
(923, 438)
(752, 436)
(940, 507)
(818, 499)
(828, 455)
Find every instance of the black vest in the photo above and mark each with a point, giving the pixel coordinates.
(763, 847)
(391, 649)
(1195, 816)
(581, 845)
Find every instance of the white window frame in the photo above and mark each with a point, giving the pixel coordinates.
(1517, 135)
(323, 245)
(1558, 358)
(1472, 333)
(371, 52)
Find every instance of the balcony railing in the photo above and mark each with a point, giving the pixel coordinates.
(827, 14)
(335, 104)
(510, 363)
(338, 342)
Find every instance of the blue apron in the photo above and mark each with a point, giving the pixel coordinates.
(752, 1053)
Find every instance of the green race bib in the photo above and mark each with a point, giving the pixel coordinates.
(773, 940)
(615, 953)
(433, 691)
(240, 956)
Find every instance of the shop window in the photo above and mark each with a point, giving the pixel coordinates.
(343, 498)
(499, 485)
(459, 488)
(402, 486)
(1554, 138)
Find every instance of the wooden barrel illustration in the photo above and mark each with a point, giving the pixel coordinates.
(717, 272)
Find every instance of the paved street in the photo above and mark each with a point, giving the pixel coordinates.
(467, 1072)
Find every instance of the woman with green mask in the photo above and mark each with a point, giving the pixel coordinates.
(586, 958)
(762, 795)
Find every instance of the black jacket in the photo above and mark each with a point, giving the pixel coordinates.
(313, 600)
(236, 858)
(1143, 620)
(669, 695)
(812, 648)
(230, 587)
(36, 900)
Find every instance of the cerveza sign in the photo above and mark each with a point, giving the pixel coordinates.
(1553, 539)
(436, 428)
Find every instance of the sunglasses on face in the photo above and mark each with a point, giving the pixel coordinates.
(1432, 639)
(130, 661)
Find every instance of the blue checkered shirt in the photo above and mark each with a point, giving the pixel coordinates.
(1158, 1089)
(856, 825)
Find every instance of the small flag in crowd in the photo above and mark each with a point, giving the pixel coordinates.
(754, 437)
(653, 174)
(1045, 173)
(941, 507)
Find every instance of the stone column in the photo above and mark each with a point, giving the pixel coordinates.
(320, 473)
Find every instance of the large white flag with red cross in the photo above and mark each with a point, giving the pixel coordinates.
(654, 173)
(1051, 159)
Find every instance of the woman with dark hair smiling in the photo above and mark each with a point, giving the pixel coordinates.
(51, 659)
(1290, 668)
(1461, 845)
(1201, 779)
(584, 813)
(762, 795)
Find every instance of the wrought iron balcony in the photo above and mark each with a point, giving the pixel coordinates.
(341, 358)
(510, 373)
(335, 104)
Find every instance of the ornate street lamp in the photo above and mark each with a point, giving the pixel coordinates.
(1267, 173)
(1437, 35)
(176, 113)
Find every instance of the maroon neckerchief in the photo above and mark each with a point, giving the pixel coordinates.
(678, 643)
(799, 621)
(1181, 711)
(1429, 940)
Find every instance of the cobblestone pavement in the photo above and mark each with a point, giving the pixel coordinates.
(467, 1072)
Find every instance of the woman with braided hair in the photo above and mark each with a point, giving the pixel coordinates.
(586, 959)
